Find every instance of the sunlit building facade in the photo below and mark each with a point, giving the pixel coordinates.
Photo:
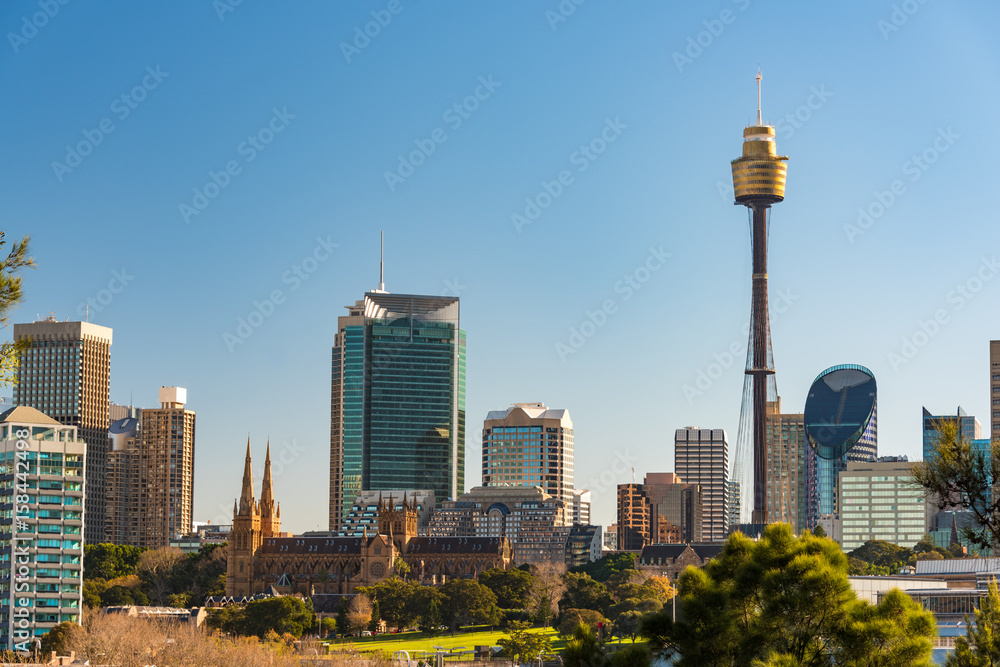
(66, 374)
(42, 491)
(879, 500)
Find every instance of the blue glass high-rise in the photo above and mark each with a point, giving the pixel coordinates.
(397, 399)
(969, 428)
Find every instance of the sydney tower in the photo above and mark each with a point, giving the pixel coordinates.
(758, 182)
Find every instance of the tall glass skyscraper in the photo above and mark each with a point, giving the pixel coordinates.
(397, 417)
(841, 426)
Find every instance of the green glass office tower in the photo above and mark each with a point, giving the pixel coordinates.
(397, 415)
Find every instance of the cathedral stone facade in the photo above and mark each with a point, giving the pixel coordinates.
(260, 557)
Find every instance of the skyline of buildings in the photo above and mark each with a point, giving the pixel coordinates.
(49, 366)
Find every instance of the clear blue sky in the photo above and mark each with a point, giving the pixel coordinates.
(879, 96)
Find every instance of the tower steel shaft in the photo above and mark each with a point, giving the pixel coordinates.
(759, 365)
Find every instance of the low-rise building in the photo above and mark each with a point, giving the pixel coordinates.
(669, 560)
(536, 523)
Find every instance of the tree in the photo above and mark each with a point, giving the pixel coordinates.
(109, 561)
(281, 615)
(547, 587)
(155, 568)
(10, 296)
(571, 618)
(523, 644)
(431, 620)
(786, 600)
(400, 602)
(60, 638)
(359, 613)
(401, 569)
(584, 650)
(583, 592)
(981, 645)
(628, 624)
(467, 601)
(957, 474)
(632, 656)
(512, 587)
(343, 625)
(373, 624)
(604, 567)
(819, 531)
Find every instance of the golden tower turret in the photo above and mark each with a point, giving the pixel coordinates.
(759, 175)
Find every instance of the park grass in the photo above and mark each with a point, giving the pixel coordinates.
(419, 643)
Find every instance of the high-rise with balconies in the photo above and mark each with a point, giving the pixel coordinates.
(42, 485)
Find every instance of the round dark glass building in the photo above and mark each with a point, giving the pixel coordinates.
(840, 424)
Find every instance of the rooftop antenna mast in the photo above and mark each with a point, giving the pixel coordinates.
(759, 77)
(381, 249)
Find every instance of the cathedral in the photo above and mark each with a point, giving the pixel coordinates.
(261, 558)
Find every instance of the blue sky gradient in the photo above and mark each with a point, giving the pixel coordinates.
(857, 90)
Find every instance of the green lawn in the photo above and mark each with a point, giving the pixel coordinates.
(420, 642)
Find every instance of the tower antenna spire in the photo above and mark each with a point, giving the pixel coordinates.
(381, 249)
(759, 77)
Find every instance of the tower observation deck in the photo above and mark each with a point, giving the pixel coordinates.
(758, 183)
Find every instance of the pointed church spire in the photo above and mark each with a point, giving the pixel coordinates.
(266, 489)
(246, 495)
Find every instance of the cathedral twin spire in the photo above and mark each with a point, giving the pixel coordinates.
(247, 504)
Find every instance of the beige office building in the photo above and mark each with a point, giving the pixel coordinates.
(150, 474)
(530, 445)
(880, 501)
(786, 467)
(66, 374)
